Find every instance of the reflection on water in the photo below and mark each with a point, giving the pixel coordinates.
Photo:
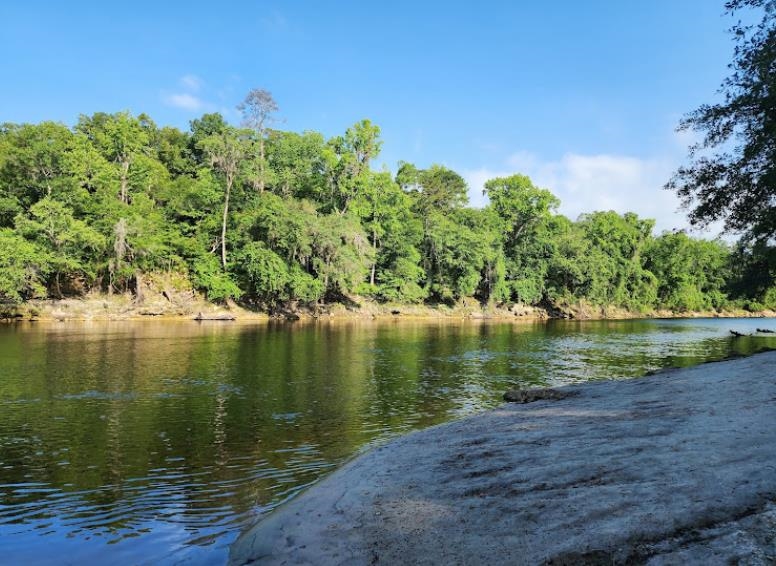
(147, 442)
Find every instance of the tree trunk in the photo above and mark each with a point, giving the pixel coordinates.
(124, 181)
(139, 295)
(223, 222)
(261, 161)
(374, 262)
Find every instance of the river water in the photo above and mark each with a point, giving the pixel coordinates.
(158, 442)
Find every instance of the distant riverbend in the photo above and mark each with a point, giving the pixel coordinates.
(160, 441)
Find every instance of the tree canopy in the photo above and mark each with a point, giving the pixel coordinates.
(280, 219)
(732, 172)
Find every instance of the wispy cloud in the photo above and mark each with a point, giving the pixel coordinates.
(184, 101)
(586, 183)
(188, 97)
(191, 82)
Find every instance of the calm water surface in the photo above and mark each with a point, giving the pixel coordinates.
(141, 443)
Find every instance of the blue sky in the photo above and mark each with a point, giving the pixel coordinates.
(582, 96)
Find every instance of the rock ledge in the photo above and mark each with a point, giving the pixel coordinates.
(675, 468)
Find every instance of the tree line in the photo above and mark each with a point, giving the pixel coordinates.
(278, 219)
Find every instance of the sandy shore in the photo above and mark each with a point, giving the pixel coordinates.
(186, 305)
(676, 468)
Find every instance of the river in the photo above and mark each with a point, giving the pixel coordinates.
(158, 442)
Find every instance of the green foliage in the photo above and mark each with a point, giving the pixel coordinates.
(280, 219)
(304, 287)
(613, 262)
(437, 188)
(691, 274)
(69, 243)
(737, 182)
(455, 255)
(295, 164)
(341, 254)
(217, 284)
(526, 215)
(265, 273)
(23, 268)
(752, 273)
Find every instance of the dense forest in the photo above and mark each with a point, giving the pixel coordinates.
(281, 220)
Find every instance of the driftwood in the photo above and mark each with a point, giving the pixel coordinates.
(537, 394)
(737, 334)
(215, 316)
(766, 331)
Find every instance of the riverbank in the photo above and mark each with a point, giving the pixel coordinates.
(675, 467)
(186, 305)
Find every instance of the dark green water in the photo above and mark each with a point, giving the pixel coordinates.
(135, 443)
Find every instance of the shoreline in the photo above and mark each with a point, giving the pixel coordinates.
(124, 308)
(673, 467)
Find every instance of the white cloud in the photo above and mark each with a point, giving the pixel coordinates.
(184, 101)
(191, 83)
(188, 97)
(476, 180)
(586, 183)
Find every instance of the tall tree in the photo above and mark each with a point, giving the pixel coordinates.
(737, 184)
(435, 188)
(296, 163)
(225, 151)
(257, 112)
(347, 161)
(121, 138)
(525, 212)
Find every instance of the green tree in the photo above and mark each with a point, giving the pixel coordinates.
(23, 268)
(225, 152)
(265, 271)
(738, 183)
(341, 254)
(525, 212)
(346, 163)
(123, 140)
(691, 274)
(752, 273)
(296, 163)
(257, 112)
(40, 160)
(70, 243)
(615, 262)
(437, 188)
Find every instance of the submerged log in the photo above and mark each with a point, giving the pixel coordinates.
(766, 331)
(215, 316)
(737, 334)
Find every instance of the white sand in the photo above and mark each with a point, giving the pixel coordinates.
(676, 468)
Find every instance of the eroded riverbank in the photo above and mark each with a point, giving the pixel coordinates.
(675, 467)
(172, 305)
